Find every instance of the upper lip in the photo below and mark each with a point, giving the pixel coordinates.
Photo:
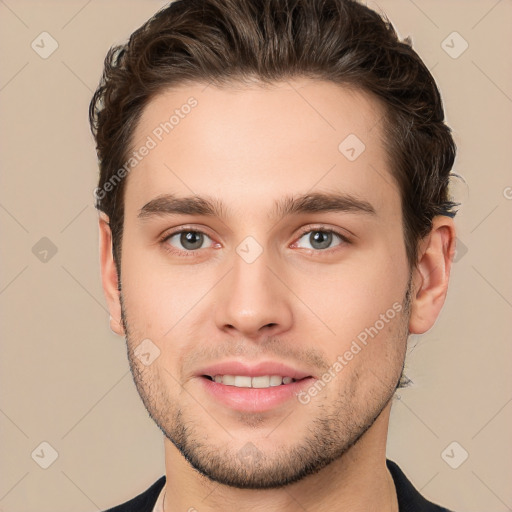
(253, 369)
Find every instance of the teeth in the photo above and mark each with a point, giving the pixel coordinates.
(229, 380)
(275, 380)
(244, 381)
(261, 382)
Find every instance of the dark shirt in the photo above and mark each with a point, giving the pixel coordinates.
(409, 499)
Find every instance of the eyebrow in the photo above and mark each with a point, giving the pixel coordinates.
(169, 204)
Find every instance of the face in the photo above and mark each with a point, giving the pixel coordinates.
(264, 276)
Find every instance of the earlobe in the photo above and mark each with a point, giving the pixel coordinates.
(109, 277)
(432, 274)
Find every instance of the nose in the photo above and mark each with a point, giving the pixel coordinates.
(252, 301)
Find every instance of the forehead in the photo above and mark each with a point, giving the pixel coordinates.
(249, 145)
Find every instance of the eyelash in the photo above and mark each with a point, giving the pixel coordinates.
(186, 254)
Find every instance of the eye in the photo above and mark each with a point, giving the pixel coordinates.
(186, 240)
(321, 239)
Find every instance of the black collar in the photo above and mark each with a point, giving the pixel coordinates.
(409, 499)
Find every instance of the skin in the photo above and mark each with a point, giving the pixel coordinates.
(250, 146)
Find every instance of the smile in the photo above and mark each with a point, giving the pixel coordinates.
(245, 381)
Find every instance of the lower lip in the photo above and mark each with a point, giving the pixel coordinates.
(255, 399)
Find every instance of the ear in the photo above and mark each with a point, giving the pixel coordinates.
(109, 277)
(432, 273)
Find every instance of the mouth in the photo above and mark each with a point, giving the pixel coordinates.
(254, 388)
(258, 382)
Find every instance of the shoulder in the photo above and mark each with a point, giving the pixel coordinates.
(144, 502)
(409, 499)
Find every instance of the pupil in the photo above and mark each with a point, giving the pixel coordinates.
(191, 240)
(320, 239)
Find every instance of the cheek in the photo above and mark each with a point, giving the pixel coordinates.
(156, 292)
(161, 296)
(350, 298)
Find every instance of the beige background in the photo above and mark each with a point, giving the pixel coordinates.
(64, 375)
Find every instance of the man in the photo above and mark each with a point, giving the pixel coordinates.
(274, 223)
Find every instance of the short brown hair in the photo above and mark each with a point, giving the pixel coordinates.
(224, 41)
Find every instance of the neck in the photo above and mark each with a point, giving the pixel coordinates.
(358, 481)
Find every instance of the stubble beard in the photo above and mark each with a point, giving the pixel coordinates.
(333, 429)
